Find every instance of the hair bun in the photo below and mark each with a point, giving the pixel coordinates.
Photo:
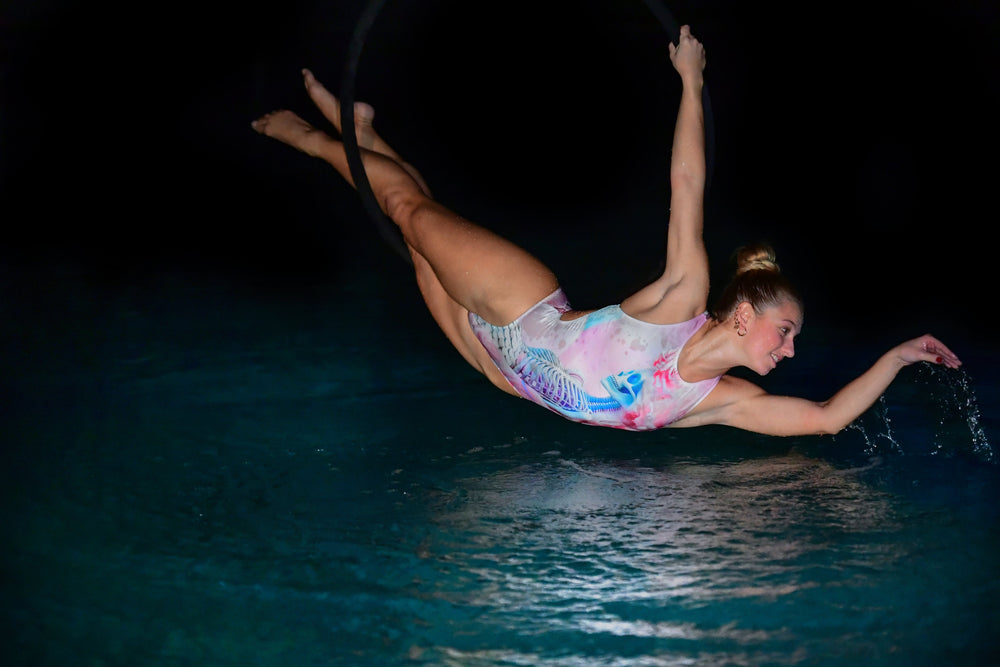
(757, 257)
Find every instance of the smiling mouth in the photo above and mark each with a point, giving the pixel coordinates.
(775, 358)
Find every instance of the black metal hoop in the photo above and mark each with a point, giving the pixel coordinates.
(386, 227)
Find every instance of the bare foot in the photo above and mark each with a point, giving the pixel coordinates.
(287, 127)
(364, 115)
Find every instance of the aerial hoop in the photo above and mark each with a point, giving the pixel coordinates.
(387, 228)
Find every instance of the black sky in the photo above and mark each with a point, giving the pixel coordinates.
(859, 139)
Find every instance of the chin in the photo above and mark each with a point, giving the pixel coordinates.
(766, 369)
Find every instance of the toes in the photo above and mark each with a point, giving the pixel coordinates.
(261, 123)
(364, 114)
(322, 98)
(314, 87)
(309, 80)
(264, 122)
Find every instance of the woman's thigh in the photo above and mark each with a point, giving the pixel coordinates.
(479, 269)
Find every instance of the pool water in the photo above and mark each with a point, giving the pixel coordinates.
(198, 470)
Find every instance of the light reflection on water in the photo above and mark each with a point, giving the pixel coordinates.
(693, 554)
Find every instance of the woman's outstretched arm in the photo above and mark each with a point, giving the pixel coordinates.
(682, 291)
(744, 405)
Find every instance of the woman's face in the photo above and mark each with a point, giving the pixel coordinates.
(771, 335)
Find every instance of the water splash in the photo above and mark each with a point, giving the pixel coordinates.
(959, 404)
(957, 425)
(873, 436)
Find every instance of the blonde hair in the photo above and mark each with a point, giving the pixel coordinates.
(758, 281)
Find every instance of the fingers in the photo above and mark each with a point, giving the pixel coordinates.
(688, 45)
(930, 349)
(937, 352)
(685, 50)
(685, 35)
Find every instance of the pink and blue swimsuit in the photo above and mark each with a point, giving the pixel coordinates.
(605, 368)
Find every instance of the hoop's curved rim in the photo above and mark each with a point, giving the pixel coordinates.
(386, 227)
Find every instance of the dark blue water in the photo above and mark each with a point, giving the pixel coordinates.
(200, 470)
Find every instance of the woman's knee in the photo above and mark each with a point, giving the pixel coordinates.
(403, 204)
(416, 214)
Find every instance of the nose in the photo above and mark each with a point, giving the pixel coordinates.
(788, 349)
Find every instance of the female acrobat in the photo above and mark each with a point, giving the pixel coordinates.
(659, 358)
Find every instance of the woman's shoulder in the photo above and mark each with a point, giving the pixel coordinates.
(673, 305)
(683, 320)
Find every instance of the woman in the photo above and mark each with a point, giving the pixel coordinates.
(657, 359)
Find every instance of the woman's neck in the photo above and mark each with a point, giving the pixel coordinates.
(706, 354)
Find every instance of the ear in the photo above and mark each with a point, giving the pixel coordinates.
(744, 313)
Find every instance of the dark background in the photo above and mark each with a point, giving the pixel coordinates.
(858, 138)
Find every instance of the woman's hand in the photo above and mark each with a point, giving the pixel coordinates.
(688, 56)
(927, 348)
